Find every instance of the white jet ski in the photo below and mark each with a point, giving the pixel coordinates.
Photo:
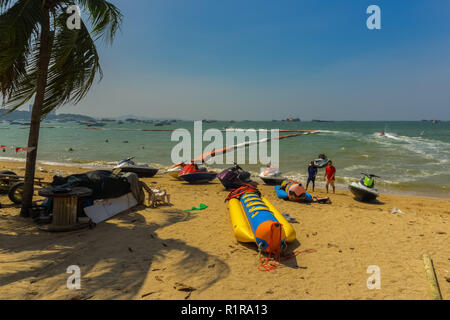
(271, 176)
(322, 161)
(142, 170)
(364, 190)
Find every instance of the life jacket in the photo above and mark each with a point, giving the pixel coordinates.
(293, 196)
(368, 182)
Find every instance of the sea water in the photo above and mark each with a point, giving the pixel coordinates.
(411, 158)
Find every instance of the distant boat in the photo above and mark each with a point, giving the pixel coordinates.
(95, 124)
(315, 120)
(291, 120)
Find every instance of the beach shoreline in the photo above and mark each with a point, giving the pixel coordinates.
(320, 181)
(145, 254)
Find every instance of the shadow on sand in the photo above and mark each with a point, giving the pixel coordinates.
(116, 257)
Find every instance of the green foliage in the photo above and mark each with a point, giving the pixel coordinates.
(74, 60)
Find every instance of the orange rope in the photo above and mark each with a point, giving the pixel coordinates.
(270, 263)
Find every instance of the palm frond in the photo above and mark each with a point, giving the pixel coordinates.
(74, 65)
(74, 61)
(104, 17)
(19, 28)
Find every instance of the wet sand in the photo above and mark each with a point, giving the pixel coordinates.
(151, 253)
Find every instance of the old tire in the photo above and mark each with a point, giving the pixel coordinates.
(15, 193)
(5, 181)
(8, 172)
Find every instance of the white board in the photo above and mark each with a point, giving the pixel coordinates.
(106, 208)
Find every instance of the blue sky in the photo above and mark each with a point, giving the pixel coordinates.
(266, 60)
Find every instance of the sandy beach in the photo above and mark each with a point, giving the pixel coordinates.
(151, 253)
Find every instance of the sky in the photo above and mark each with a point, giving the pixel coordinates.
(264, 60)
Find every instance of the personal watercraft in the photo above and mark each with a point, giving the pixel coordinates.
(271, 176)
(193, 174)
(142, 170)
(235, 177)
(364, 190)
(321, 162)
(175, 170)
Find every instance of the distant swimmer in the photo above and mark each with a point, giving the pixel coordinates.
(125, 141)
(382, 133)
(422, 133)
(106, 140)
(70, 150)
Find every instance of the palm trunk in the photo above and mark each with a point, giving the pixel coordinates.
(33, 137)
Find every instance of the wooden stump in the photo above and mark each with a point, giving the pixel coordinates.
(65, 211)
(65, 208)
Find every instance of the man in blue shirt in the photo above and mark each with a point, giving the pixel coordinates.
(312, 172)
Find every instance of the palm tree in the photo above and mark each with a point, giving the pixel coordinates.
(41, 57)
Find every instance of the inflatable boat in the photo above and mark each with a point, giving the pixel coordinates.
(255, 219)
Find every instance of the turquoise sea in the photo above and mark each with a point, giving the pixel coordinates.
(407, 161)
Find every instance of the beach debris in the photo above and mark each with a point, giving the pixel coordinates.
(147, 294)
(397, 210)
(289, 218)
(182, 287)
(81, 298)
(431, 277)
(201, 207)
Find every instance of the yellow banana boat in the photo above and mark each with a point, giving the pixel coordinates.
(242, 228)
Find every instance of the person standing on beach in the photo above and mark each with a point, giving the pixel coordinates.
(312, 173)
(330, 175)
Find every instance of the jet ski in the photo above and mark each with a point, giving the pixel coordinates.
(321, 162)
(142, 170)
(364, 190)
(235, 177)
(174, 171)
(193, 174)
(271, 176)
